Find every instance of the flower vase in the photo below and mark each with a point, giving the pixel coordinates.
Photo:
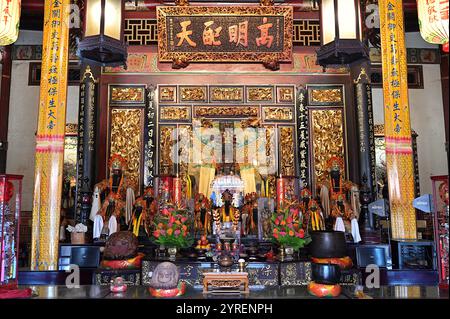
(282, 254)
(172, 253)
(289, 251)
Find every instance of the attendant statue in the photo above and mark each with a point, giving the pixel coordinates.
(202, 215)
(113, 191)
(315, 216)
(143, 214)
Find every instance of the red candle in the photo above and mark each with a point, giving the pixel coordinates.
(280, 192)
(177, 190)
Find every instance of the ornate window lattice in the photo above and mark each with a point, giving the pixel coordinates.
(140, 31)
(306, 33)
(145, 32)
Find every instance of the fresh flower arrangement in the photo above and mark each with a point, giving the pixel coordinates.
(287, 230)
(171, 228)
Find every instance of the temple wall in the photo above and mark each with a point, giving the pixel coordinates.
(427, 118)
(23, 119)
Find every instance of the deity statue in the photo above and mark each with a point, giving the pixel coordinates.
(143, 213)
(342, 213)
(315, 216)
(202, 214)
(120, 246)
(336, 186)
(250, 215)
(114, 191)
(227, 215)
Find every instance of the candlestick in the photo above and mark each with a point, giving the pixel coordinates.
(280, 192)
(177, 190)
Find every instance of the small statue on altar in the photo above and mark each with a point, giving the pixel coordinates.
(250, 215)
(315, 216)
(227, 216)
(121, 252)
(202, 215)
(203, 243)
(143, 214)
(165, 281)
(114, 190)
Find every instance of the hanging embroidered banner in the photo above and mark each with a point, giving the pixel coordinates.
(225, 34)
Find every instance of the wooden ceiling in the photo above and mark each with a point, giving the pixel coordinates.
(33, 12)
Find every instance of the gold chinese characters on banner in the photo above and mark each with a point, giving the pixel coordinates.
(50, 137)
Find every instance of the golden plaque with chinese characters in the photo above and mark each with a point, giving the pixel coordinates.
(225, 34)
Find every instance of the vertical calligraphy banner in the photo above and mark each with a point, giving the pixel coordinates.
(50, 136)
(303, 137)
(399, 153)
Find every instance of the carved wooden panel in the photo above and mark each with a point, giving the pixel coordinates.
(166, 149)
(126, 94)
(167, 94)
(176, 113)
(145, 32)
(287, 150)
(193, 94)
(325, 95)
(260, 94)
(226, 94)
(126, 140)
(327, 136)
(278, 113)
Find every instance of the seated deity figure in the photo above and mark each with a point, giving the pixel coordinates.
(113, 191)
(335, 186)
(227, 216)
(143, 214)
(202, 215)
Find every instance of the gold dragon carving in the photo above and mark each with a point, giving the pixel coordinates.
(226, 94)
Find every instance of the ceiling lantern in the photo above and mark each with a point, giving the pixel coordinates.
(103, 41)
(9, 21)
(433, 21)
(341, 33)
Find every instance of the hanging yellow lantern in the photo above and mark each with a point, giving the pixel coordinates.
(433, 21)
(9, 21)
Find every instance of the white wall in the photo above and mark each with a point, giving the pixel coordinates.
(24, 102)
(427, 117)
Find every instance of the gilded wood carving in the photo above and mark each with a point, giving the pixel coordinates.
(225, 34)
(226, 111)
(328, 139)
(175, 113)
(127, 94)
(126, 140)
(287, 152)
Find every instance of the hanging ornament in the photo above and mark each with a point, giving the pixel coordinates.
(9, 21)
(433, 21)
